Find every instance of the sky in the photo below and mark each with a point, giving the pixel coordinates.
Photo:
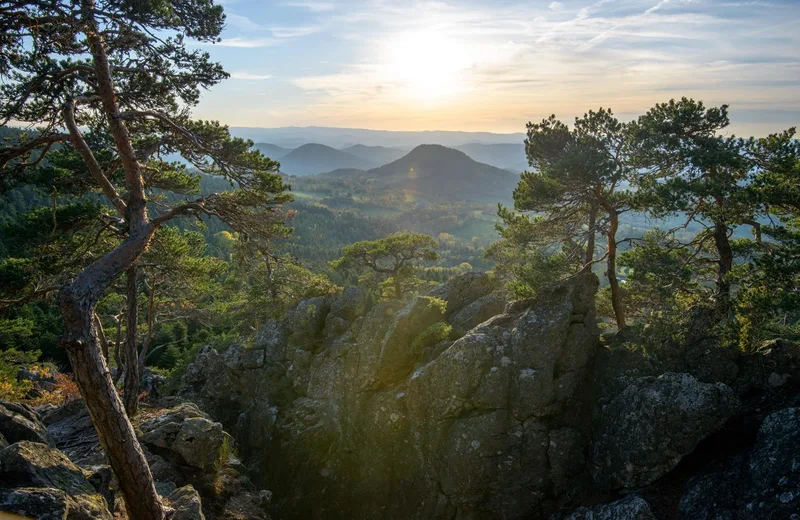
(495, 65)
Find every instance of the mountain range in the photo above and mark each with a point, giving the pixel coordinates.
(339, 138)
(315, 158)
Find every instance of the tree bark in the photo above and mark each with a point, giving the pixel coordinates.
(725, 264)
(131, 381)
(105, 407)
(101, 335)
(587, 262)
(151, 307)
(118, 351)
(616, 293)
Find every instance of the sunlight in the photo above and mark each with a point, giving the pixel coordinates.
(425, 63)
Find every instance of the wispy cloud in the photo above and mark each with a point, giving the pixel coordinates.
(294, 32)
(247, 43)
(249, 75)
(556, 6)
(316, 7)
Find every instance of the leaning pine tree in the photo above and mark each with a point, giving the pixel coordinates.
(105, 86)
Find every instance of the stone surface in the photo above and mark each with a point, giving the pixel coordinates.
(376, 423)
(187, 432)
(35, 465)
(771, 487)
(186, 504)
(462, 290)
(629, 508)
(478, 311)
(35, 503)
(647, 429)
(18, 422)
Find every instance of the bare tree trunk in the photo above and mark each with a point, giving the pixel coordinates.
(131, 381)
(151, 304)
(118, 350)
(725, 264)
(616, 293)
(98, 325)
(587, 263)
(81, 342)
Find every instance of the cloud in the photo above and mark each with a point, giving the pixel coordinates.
(242, 22)
(247, 43)
(314, 7)
(249, 75)
(555, 6)
(293, 32)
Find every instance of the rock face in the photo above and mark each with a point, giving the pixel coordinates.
(37, 475)
(187, 433)
(647, 429)
(629, 508)
(772, 478)
(18, 422)
(375, 416)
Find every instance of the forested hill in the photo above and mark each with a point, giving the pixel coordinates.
(375, 155)
(314, 158)
(448, 174)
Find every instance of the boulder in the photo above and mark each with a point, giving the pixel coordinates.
(351, 304)
(306, 321)
(186, 504)
(478, 311)
(462, 290)
(18, 422)
(186, 432)
(36, 503)
(35, 465)
(631, 507)
(647, 429)
(712, 495)
(771, 486)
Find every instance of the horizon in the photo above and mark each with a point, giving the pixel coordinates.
(492, 67)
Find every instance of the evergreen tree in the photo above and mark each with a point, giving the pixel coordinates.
(110, 83)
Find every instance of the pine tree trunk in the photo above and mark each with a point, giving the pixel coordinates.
(587, 262)
(616, 293)
(106, 410)
(723, 245)
(131, 381)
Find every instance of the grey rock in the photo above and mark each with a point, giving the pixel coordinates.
(306, 321)
(629, 508)
(18, 422)
(188, 433)
(712, 495)
(462, 290)
(771, 487)
(478, 311)
(647, 429)
(351, 304)
(36, 503)
(186, 504)
(35, 465)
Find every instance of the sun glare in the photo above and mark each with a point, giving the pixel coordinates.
(426, 64)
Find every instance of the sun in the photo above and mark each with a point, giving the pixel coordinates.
(425, 64)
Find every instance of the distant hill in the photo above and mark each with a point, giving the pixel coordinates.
(312, 158)
(292, 137)
(375, 155)
(509, 156)
(446, 173)
(273, 151)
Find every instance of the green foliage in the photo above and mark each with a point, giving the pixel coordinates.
(395, 257)
(429, 337)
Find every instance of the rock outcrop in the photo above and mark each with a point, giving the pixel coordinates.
(377, 415)
(631, 507)
(647, 429)
(18, 422)
(38, 478)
